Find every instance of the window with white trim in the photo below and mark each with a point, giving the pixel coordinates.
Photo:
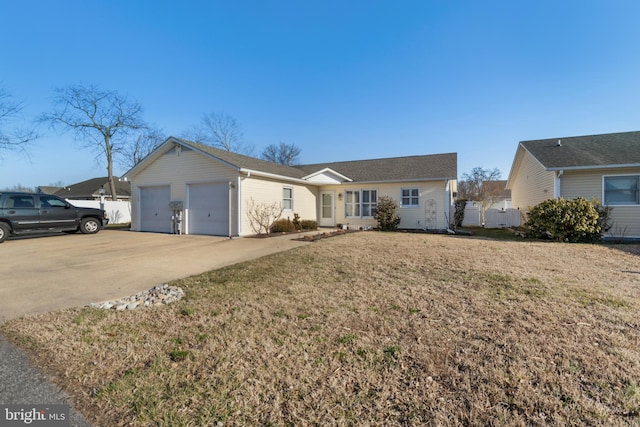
(360, 203)
(622, 190)
(410, 197)
(287, 198)
(352, 203)
(369, 202)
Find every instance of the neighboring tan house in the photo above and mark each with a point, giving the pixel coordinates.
(602, 167)
(90, 190)
(212, 189)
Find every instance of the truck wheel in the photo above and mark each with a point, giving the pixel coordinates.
(89, 226)
(4, 232)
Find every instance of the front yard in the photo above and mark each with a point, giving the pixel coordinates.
(366, 329)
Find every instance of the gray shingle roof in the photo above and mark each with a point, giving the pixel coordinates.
(245, 162)
(91, 188)
(428, 167)
(612, 149)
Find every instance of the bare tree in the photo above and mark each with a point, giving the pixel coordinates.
(221, 131)
(283, 154)
(19, 187)
(481, 186)
(100, 119)
(141, 146)
(12, 136)
(263, 215)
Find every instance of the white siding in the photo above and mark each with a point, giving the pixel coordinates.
(178, 168)
(431, 213)
(581, 184)
(530, 183)
(625, 221)
(588, 184)
(262, 190)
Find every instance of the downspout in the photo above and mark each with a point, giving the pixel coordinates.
(239, 206)
(231, 187)
(556, 184)
(447, 204)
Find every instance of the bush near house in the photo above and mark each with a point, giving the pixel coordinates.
(286, 225)
(574, 221)
(308, 224)
(283, 225)
(387, 214)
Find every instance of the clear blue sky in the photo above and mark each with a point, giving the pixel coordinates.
(343, 80)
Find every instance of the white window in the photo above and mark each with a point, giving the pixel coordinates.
(410, 197)
(352, 203)
(287, 198)
(369, 202)
(622, 190)
(360, 203)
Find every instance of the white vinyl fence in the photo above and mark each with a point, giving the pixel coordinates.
(119, 212)
(493, 218)
(499, 218)
(472, 216)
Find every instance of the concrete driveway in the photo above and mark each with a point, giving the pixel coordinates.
(41, 274)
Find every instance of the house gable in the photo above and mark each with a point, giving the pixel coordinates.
(326, 176)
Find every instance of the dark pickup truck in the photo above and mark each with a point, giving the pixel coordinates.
(27, 213)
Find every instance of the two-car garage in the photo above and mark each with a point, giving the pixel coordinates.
(206, 209)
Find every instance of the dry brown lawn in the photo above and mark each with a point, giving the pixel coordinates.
(366, 329)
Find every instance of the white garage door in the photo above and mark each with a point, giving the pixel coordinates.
(209, 209)
(155, 214)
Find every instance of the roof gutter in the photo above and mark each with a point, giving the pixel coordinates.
(578, 168)
(405, 180)
(250, 172)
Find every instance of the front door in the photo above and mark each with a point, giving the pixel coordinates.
(327, 209)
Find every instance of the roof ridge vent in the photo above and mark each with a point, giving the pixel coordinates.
(559, 143)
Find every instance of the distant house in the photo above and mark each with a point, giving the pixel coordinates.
(603, 167)
(501, 194)
(90, 190)
(47, 189)
(214, 190)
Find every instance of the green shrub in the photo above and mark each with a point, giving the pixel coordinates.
(574, 220)
(308, 224)
(387, 214)
(283, 225)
